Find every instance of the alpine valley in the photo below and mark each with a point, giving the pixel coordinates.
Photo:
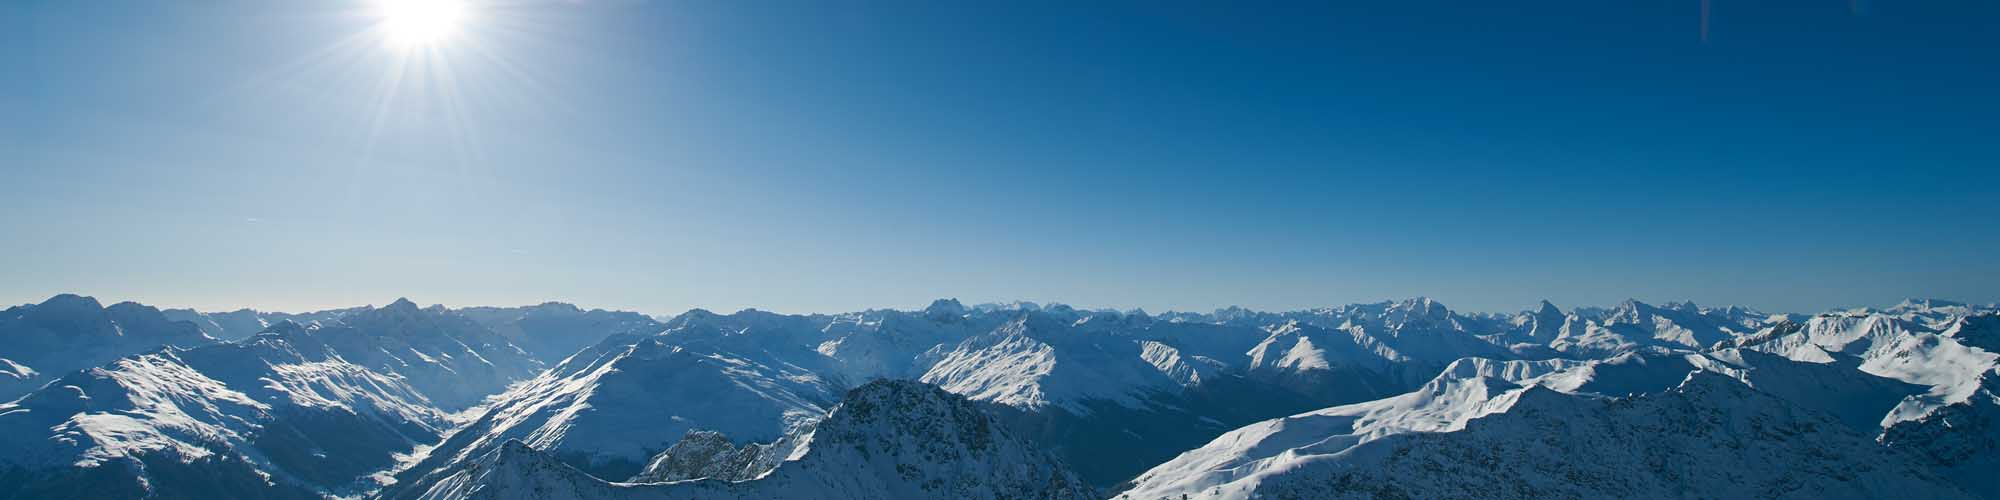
(1398, 399)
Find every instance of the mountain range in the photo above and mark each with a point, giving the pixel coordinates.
(1394, 399)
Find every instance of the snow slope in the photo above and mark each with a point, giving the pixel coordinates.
(295, 410)
(455, 362)
(260, 414)
(65, 333)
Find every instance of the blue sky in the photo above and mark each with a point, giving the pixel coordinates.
(824, 156)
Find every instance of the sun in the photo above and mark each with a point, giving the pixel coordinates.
(410, 24)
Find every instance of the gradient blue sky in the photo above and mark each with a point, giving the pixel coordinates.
(826, 156)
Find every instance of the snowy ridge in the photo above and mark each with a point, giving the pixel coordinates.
(552, 331)
(1239, 463)
(1057, 370)
(1710, 434)
(886, 439)
(1900, 346)
(69, 332)
(304, 425)
(1020, 365)
(292, 411)
(455, 362)
(1959, 439)
(610, 408)
(1635, 325)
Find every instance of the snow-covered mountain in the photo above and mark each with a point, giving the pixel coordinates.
(242, 323)
(1635, 325)
(264, 417)
(1709, 436)
(455, 361)
(552, 331)
(1107, 389)
(349, 400)
(1113, 393)
(1905, 346)
(549, 331)
(885, 439)
(40, 342)
(1957, 439)
(1951, 349)
(1559, 428)
(233, 325)
(295, 411)
(611, 407)
(1110, 392)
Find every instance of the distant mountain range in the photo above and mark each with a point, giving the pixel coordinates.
(1403, 398)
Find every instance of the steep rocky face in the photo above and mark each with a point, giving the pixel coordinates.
(710, 455)
(1958, 440)
(65, 333)
(913, 440)
(886, 439)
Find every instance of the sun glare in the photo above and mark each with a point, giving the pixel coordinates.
(419, 23)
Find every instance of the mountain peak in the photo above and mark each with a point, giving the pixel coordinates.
(402, 303)
(556, 307)
(1426, 305)
(944, 308)
(1545, 308)
(1705, 382)
(70, 301)
(285, 327)
(131, 307)
(1920, 304)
